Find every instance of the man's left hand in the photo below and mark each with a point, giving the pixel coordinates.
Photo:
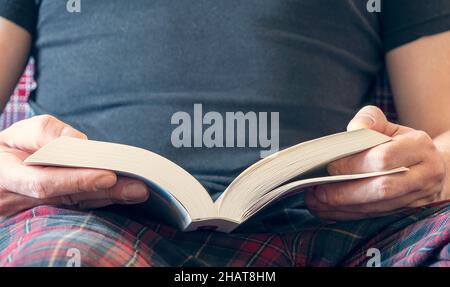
(421, 185)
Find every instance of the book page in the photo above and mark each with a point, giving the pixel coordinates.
(272, 172)
(301, 185)
(159, 172)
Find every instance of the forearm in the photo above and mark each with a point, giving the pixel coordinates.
(14, 48)
(419, 74)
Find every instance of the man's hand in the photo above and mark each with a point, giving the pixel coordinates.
(421, 185)
(23, 187)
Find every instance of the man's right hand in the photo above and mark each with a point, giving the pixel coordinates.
(23, 187)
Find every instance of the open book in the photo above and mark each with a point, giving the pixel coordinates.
(179, 199)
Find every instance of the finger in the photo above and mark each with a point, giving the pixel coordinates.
(413, 199)
(125, 191)
(404, 150)
(425, 201)
(371, 117)
(47, 182)
(331, 213)
(374, 189)
(33, 133)
(335, 215)
(12, 203)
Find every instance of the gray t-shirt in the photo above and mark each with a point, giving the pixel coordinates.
(120, 70)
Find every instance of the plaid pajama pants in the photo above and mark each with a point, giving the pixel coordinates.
(284, 235)
(17, 108)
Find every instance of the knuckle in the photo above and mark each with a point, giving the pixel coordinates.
(422, 135)
(380, 159)
(38, 189)
(48, 124)
(80, 183)
(335, 198)
(45, 120)
(423, 138)
(383, 186)
(333, 201)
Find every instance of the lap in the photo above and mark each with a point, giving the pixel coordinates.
(285, 236)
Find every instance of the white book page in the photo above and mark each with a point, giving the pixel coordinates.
(300, 185)
(158, 171)
(272, 172)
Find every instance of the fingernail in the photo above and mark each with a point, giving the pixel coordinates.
(105, 181)
(135, 192)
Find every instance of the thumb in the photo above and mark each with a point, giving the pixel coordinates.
(33, 133)
(371, 117)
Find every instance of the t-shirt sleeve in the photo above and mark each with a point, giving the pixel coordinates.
(20, 12)
(404, 21)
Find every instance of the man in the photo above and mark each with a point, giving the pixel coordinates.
(118, 71)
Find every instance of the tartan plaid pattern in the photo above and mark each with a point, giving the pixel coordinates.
(17, 109)
(46, 236)
(286, 234)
